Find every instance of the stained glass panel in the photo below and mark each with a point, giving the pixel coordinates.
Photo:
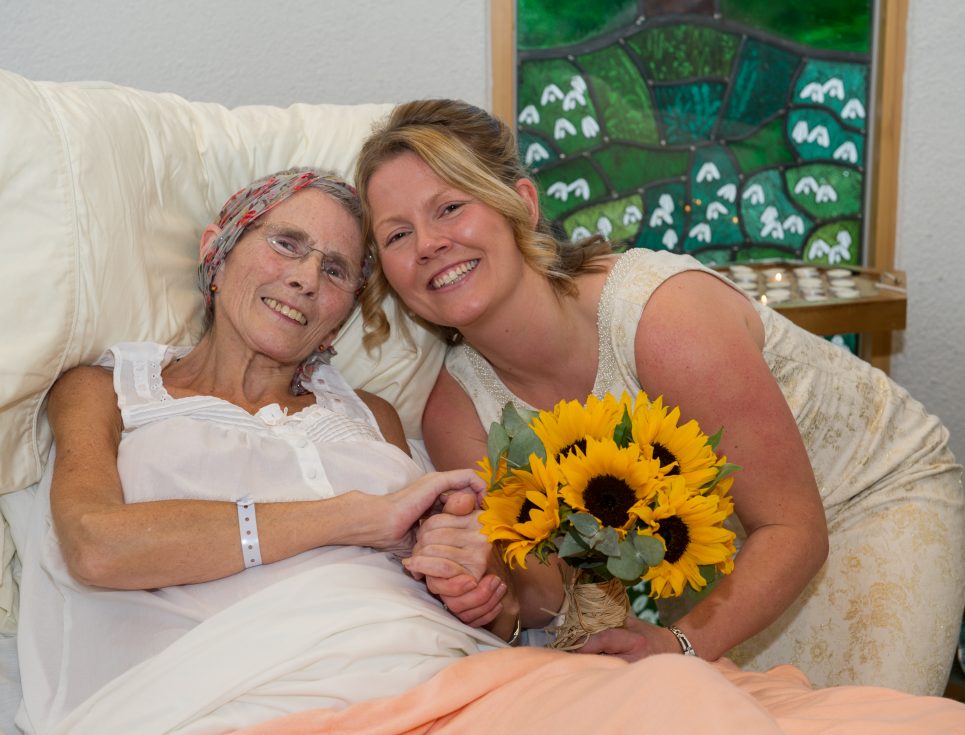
(728, 129)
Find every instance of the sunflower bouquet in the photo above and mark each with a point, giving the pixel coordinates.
(617, 490)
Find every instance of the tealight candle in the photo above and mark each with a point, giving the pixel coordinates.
(842, 283)
(839, 273)
(806, 272)
(738, 269)
(778, 294)
(809, 282)
(846, 293)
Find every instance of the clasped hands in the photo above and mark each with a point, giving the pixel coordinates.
(462, 569)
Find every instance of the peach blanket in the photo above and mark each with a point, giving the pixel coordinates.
(530, 690)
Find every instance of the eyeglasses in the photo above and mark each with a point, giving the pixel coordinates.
(340, 272)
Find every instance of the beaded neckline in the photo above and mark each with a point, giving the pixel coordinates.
(606, 371)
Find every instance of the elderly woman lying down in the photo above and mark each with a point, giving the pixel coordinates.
(218, 547)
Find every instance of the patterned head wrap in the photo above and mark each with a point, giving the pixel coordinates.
(253, 201)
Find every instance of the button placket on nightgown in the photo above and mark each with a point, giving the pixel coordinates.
(309, 463)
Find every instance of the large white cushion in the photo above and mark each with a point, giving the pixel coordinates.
(104, 191)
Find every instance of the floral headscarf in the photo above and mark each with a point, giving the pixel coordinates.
(247, 205)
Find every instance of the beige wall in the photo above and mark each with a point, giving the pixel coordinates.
(344, 51)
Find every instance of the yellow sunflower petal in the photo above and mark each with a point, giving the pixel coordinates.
(689, 525)
(609, 482)
(570, 424)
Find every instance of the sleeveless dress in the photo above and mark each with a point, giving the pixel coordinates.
(886, 607)
(76, 639)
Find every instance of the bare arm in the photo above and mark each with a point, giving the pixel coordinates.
(110, 543)
(699, 345)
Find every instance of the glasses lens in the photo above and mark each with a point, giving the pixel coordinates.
(344, 275)
(347, 277)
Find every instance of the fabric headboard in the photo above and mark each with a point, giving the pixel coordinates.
(104, 191)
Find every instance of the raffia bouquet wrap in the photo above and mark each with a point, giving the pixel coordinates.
(616, 490)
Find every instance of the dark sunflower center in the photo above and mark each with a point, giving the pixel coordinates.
(666, 457)
(527, 506)
(578, 444)
(609, 499)
(677, 537)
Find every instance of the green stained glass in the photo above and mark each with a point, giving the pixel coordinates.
(714, 183)
(840, 87)
(825, 190)
(550, 23)
(714, 256)
(837, 243)
(674, 52)
(842, 25)
(617, 220)
(760, 88)
(768, 215)
(621, 94)
(554, 104)
(664, 217)
(689, 111)
(728, 129)
(766, 147)
(817, 135)
(536, 150)
(569, 185)
(631, 167)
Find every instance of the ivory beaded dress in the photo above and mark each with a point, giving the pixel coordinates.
(886, 607)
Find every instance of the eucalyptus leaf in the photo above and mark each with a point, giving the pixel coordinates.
(570, 546)
(585, 524)
(648, 549)
(497, 443)
(524, 444)
(626, 566)
(606, 541)
(512, 421)
(623, 433)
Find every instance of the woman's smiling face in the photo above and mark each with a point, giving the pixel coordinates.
(283, 307)
(449, 256)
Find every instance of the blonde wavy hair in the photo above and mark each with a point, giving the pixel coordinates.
(475, 152)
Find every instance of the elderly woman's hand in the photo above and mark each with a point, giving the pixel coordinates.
(390, 521)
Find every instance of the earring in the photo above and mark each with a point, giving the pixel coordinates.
(214, 288)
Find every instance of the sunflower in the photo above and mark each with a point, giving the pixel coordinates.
(524, 512)
(488, 475)
(681, 450)
(609, 482)
(689, 525)
(570, 424)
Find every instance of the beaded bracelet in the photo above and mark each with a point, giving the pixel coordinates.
(248, 526)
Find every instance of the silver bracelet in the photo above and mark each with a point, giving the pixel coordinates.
(684, 641)
(514, 639)
(248, 526)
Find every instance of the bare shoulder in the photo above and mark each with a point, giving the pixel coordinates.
(387, 418)
(453, 434)
(83, 391)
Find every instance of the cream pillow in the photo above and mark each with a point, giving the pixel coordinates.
(104, 191)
